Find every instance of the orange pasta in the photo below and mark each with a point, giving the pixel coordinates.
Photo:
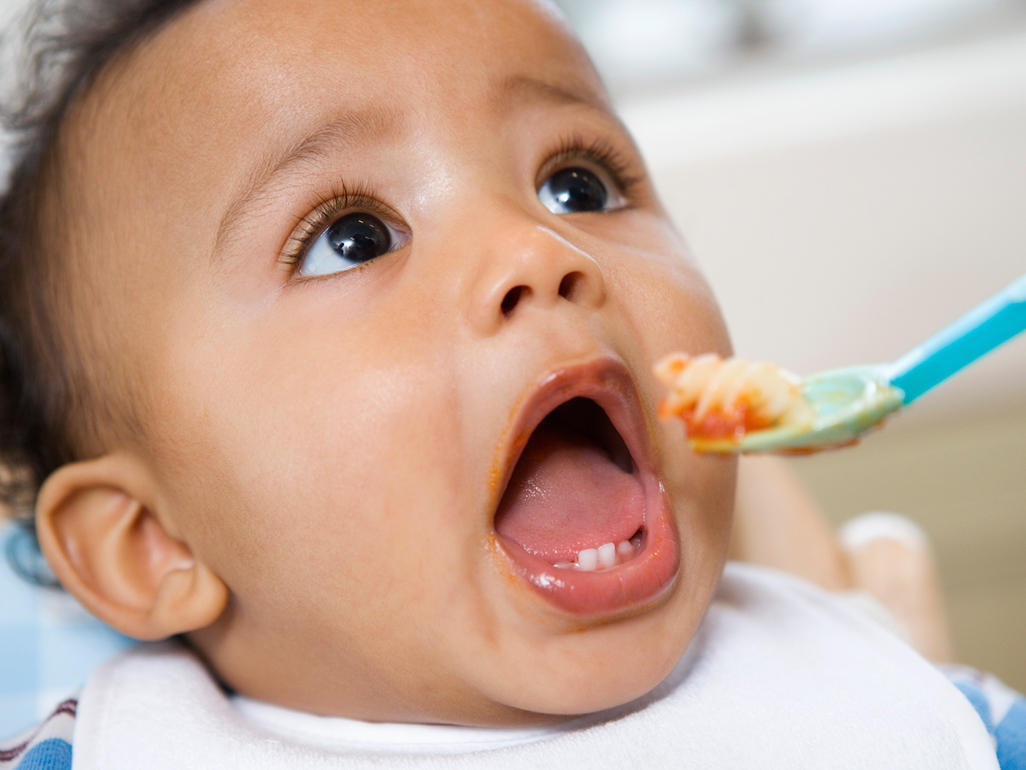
(726, 398)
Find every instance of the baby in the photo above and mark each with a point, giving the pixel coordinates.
(328, 330)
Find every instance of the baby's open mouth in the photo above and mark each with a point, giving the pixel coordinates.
(575, 499)
(583, 516)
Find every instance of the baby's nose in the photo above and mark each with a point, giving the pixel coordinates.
(533, 265)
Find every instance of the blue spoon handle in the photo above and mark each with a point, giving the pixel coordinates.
(979, 331)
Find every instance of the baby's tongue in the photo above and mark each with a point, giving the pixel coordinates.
(566, 495)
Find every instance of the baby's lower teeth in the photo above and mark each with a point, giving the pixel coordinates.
(587, 559)
(605, 556)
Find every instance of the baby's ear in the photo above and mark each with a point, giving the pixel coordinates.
(107, 546)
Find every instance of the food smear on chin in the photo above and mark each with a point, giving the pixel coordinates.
(724, 399)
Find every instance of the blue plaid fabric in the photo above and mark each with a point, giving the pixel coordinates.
(48, 646)
(1002, 710)
(48, 747)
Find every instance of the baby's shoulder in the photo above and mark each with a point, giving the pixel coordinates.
(45, 747)
(753, 596)
(767, 633)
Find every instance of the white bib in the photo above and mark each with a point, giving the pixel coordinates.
(780, 675)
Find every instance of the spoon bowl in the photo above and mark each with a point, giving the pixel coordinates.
(845, 402)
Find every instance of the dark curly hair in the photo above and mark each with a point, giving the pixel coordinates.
(66, 47)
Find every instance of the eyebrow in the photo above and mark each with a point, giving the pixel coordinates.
(568, 93)
(350, 128)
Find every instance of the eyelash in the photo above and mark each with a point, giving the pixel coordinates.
(339, 200)
(603, 153)
(570, 148)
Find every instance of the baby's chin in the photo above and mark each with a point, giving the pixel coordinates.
(545, 673)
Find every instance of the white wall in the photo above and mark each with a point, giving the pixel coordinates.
(843, 215)
(9, 9)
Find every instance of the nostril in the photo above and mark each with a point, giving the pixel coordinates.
(512, 298)
(570, 286)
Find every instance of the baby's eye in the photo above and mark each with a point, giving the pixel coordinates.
(349, 242)
(576, 189)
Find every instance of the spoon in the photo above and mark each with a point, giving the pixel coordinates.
(848, 402)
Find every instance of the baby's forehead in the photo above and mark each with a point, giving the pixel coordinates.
(246, 50)
(254, 68)
(244, 80)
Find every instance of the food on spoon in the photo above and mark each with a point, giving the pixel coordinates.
(724, 399)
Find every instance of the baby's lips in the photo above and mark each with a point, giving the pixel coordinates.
(626, 584)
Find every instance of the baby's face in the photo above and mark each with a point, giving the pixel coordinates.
(359, 254)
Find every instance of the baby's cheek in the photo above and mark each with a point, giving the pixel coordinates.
(674, 309)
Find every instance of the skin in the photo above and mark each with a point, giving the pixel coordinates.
(327, 447)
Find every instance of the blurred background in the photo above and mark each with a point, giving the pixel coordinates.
(851, 175)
